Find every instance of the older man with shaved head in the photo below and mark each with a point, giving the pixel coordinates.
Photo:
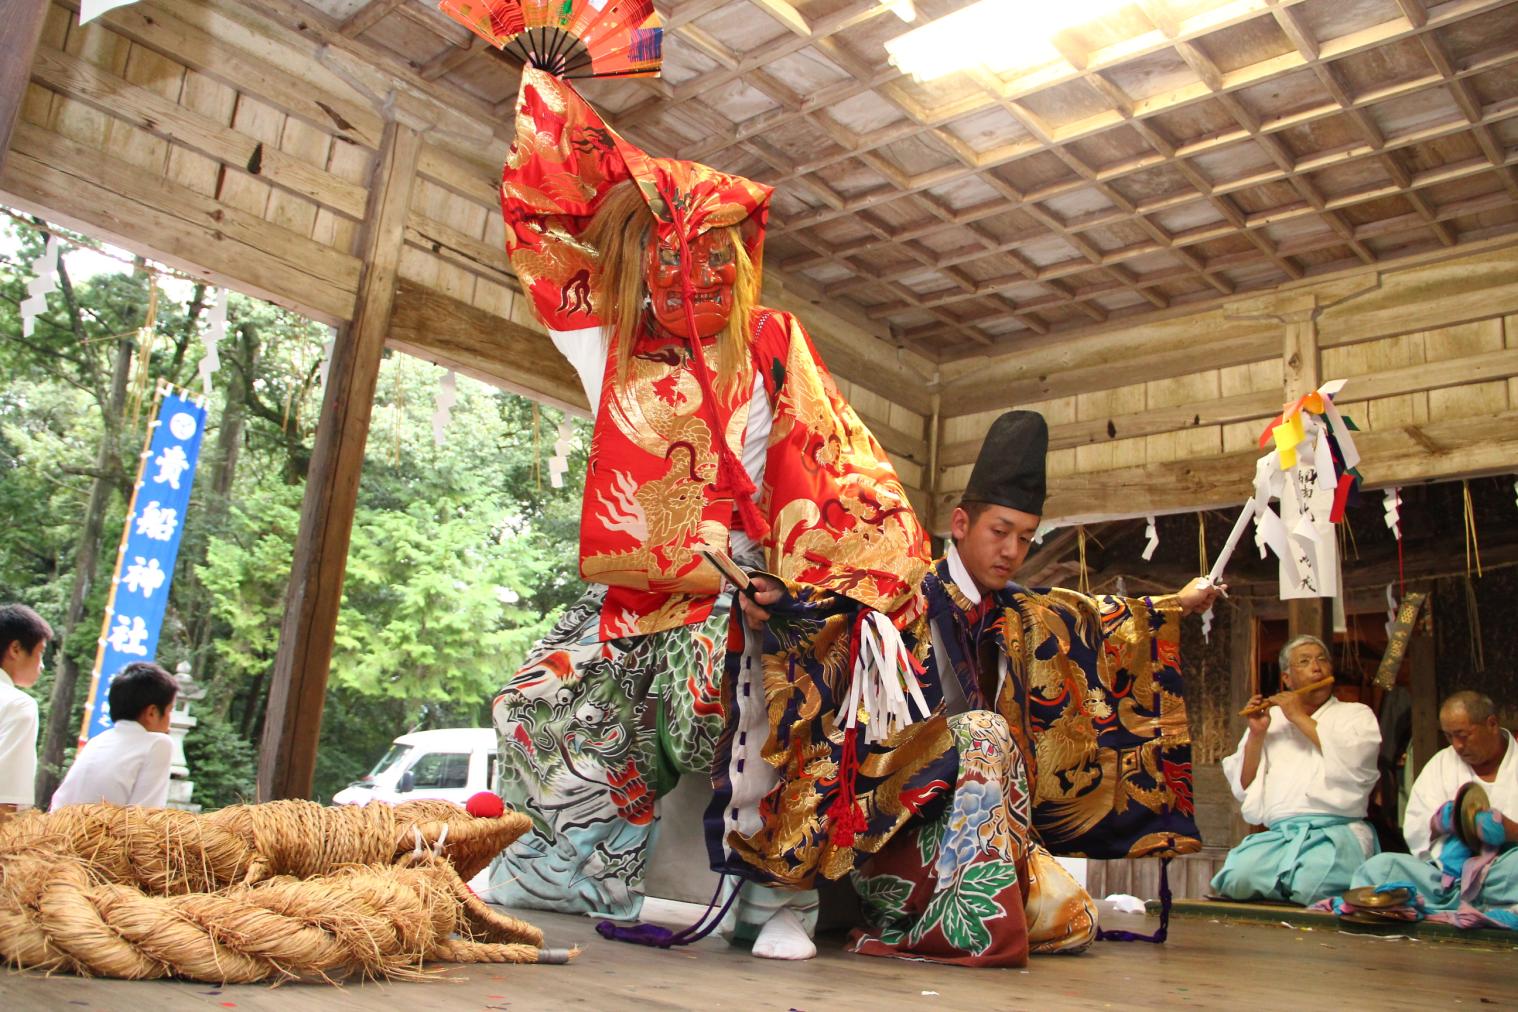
(1449, 875)
(1304, 770)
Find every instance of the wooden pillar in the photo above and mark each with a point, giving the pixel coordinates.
(1423, 684)
(1301, 374)
(20, 30)
(287, 760)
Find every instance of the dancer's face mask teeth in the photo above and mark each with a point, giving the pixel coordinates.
(714, 272)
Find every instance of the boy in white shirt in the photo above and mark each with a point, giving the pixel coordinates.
(23, 637)
(127, 764)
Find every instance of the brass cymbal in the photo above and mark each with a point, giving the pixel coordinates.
(1366, 898)
(1470, 800)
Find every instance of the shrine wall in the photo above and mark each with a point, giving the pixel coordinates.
(208, 137)
(1430, 352)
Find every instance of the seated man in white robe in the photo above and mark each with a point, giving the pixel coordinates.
(1304, 770)
(1478, 885)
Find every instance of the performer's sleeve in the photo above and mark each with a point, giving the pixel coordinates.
(840, 519)
(1423, 800)
(561, 165)
(1233, 770)
(1350, 747)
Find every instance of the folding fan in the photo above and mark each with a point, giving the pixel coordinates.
(569, 38)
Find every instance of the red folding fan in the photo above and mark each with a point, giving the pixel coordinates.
(569, 38)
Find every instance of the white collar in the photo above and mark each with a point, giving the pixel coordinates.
(5, 679)
(960, 575)
(130, 726)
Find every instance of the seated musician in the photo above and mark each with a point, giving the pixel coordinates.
(1304, 770)
(1446, 873)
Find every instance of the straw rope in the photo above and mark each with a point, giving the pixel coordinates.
(266, 892)
(166, 851)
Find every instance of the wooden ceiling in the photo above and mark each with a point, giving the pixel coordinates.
(1175, 152)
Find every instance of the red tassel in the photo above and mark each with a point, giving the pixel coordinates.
(846, 816)
(732, 477)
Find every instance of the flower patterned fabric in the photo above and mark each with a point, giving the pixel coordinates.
(950, 890)
(1092, 693)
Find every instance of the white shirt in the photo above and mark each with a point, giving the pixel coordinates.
(125, 765)
(18, 744)
(1295, 778)
(586, 351)
(1437, 783)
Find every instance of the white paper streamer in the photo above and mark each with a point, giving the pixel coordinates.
(1391, 610)
(1207, 625)
(883, 680)
(1234, 535)
(38, 288)
(1393, 509)
(1153, 534)
(211, 337)
(326, 363)
(447, 397)
(558, 464)
(89, 10)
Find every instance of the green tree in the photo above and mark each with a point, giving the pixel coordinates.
(462, 552)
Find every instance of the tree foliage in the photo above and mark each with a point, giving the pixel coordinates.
(461, 552)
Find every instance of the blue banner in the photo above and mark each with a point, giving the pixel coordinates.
(149, 547)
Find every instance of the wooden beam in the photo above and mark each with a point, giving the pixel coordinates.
(430, 325)
(287, 760)
(1455, 372)
(20, 30)
(84, 188)
(147, 110)
(1469, 447)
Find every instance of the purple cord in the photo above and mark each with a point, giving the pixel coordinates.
(662, 938)
(1158, 937)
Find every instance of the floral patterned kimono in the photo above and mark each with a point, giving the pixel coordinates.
(1089, 691)
(622, 696)
(1058, 725)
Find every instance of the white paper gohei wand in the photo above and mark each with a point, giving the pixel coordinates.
(1240, 525)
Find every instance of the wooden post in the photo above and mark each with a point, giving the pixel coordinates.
(1423, 684)
(20, 30)
(1309, 616)
(287, 760)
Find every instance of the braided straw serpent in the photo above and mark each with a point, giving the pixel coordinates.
(277, 891)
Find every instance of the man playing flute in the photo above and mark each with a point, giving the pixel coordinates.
(1304, 770)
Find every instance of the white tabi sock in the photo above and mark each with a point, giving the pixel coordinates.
(784, 937)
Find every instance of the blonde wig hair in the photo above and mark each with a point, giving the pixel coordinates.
(621, 235)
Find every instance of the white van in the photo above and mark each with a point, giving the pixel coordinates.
(452, 763)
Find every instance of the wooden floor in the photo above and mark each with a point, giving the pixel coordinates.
(1206, 964)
